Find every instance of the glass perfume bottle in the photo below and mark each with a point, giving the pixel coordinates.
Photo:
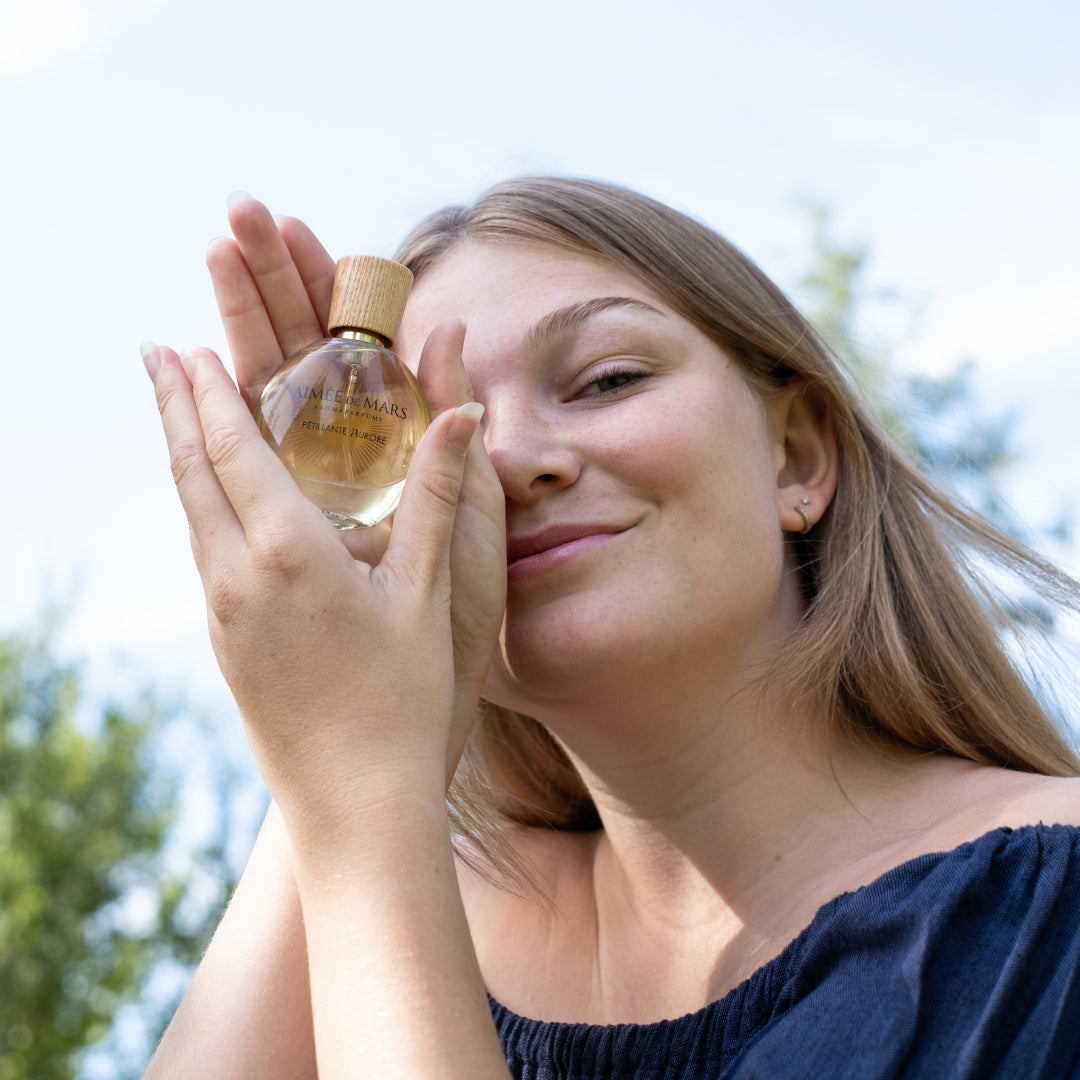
(345, 414)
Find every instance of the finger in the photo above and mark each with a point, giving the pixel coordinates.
(295, 320)
(440, 372)
(264, 301)
(482, 506)
(479, 541)
(200, 491)
(419, 548)
(262, 494)
(253, 344)
(313, 263)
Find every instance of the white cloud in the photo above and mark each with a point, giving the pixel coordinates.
(38, 36)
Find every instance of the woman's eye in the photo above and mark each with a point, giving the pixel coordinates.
(611, 380)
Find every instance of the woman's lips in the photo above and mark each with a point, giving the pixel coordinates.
(546, 550)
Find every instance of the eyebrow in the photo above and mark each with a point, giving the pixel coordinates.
(567, 319)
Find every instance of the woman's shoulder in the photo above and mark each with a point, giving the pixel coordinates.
(957, 962)
(1004, 872)
(1046, 800)
(996, 798)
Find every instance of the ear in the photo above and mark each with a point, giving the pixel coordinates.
(806, 455)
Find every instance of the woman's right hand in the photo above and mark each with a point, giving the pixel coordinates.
(273, 281)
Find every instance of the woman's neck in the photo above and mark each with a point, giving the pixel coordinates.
(736, 808)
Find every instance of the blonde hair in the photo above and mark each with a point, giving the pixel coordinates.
(901, 636)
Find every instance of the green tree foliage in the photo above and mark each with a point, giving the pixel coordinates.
(936, 418)
(88, 904)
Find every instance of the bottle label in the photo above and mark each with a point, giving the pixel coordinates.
(334, 398)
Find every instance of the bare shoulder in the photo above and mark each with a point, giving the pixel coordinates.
(988, 798)
(1040, 800)
(956, 802)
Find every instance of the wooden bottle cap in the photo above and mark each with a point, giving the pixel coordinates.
(369, 295)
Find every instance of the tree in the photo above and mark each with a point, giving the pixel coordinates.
(938, 420)
(89, 900)
(935, 417)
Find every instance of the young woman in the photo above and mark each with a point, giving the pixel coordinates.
(743, 783)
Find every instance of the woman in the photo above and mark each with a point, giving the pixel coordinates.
(753, 790)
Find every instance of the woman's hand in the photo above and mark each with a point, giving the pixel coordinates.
(273, 281)
(356, 659)
(343, 671)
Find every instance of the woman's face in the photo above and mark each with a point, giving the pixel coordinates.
(640, 473)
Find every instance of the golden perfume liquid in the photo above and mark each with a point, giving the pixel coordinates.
(345, 415)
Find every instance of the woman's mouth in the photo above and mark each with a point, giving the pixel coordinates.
(552, 547)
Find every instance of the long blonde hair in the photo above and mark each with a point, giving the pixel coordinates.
(901, 636)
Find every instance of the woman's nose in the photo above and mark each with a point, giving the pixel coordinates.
(532, 454)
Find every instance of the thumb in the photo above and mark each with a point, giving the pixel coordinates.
(419, 546)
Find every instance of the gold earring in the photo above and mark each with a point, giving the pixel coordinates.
(808, 522)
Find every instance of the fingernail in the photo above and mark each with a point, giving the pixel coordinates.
(151, 358)
(465, 320)
(467, 418)
(235, 197)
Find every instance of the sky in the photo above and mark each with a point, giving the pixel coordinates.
(943, 137)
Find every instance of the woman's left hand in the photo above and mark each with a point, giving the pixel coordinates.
(272, 280)
(344, 669)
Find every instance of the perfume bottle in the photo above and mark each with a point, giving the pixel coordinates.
(345, 414)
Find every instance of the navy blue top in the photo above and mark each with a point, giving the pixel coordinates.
(959, 965)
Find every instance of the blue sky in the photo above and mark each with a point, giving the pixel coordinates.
(945, 137)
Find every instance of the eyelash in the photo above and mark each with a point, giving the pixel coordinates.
(629, 376)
